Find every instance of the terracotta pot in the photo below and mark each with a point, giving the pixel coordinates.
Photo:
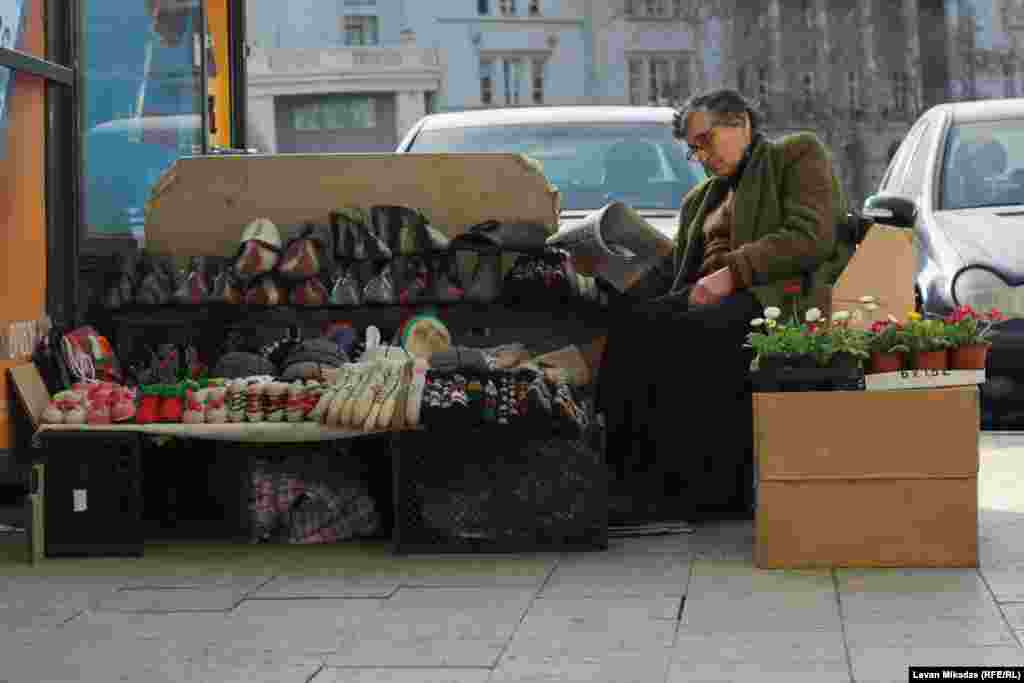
(971, 357)
(885, 362)
(931, 360)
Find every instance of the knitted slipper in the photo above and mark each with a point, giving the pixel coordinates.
(346, 401)
(384, 412)
(364, 401)
(333, 399)
(414, 400)
(398, 417)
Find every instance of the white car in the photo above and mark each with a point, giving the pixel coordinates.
(592, 154)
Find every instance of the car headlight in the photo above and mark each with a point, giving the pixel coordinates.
(983, 290)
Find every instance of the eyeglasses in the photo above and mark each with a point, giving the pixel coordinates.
(702, 143)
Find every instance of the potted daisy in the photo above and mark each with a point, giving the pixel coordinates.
(841, 345)
(968, 333)
(779, 346)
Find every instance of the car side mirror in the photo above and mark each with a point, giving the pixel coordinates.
(890, 209)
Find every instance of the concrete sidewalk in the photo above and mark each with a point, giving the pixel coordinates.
(679, 608)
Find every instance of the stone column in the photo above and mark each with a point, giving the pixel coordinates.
(777, 87)
(871, 81)
(261, 124)
(823, 79)
(915, 91)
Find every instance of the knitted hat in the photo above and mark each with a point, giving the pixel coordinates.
(238, 364)
(310, 357)
(263, 231)
(424, 334)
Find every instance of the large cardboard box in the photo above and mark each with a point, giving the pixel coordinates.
(867, 479)
(201, 204)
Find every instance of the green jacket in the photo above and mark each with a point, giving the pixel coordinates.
(787, 205)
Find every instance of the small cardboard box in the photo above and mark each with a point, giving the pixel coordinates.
(867, 479)
(882, 267)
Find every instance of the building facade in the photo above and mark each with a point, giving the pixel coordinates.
(335, 76)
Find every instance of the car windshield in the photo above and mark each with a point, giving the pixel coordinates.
(984, 165)
(591, 164)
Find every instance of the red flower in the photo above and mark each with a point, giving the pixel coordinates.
(996, 316)
(792, 287)
(812, 328)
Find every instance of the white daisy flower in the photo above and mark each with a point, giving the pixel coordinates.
(840, 316)
(893, 319)
(757, 322)
(772, 312)
(871, 306)
(857, 316)
(813, 315)
(867, 299)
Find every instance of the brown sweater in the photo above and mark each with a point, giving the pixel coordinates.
(718, 243)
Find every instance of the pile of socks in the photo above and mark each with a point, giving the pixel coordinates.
(93, 403)
(189, 402)
(265, 399)
(525, 398)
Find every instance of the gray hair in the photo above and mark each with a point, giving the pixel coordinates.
(726, 107)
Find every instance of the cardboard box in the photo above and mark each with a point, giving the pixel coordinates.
(867, 479)
(201, 204)
(883, 267)
(922, 379)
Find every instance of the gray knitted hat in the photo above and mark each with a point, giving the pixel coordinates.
(310, 356)
(239, 364)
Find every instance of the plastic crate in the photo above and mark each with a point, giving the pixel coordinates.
(808, 379)
(92, 500)
(493, 489)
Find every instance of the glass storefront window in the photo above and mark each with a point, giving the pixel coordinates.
(142, 103)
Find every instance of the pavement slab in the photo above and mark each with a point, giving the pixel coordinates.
(34, 603)
(214, 599)
(890, 664)
(407, 675)
(646, 606)
(610, 667)
(434, 627)
(1014, 613)
(738, 655)
(920, 608)
(728, 541)
(290, 587)
(1006, 583)
(632, 575)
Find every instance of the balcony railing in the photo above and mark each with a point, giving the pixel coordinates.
(268, 61)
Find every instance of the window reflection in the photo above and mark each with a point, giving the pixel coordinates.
(141, 104)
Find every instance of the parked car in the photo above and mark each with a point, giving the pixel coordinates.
(957, 180)
(592, 154)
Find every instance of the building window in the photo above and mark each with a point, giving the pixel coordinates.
(483, 6)
(762, 86)
(360, 3)
(334, 112)
(1010, 78)
(538, 63)
(807, 93)
(534, 10)
(649, 9)
(360, 31)
(512, 69)
(658, 79)
(486, 81)
(507, 7)
(636, 80)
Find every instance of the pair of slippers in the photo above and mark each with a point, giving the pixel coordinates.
(378, 395)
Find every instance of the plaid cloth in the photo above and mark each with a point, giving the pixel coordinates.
(285, 507)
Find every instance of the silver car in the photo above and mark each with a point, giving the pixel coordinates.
(957, 180)
(592, 154)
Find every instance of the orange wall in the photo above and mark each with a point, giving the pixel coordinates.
(22, 208)
(220, 87)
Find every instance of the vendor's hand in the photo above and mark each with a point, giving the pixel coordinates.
(712, 288)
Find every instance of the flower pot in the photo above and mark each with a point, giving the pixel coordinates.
(885, 362)
(774, 362)
(844, 361)
(931, 360)
(971, 357)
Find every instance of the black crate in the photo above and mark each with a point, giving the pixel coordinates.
(494, 489)
(92, 496)
(807, 379)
